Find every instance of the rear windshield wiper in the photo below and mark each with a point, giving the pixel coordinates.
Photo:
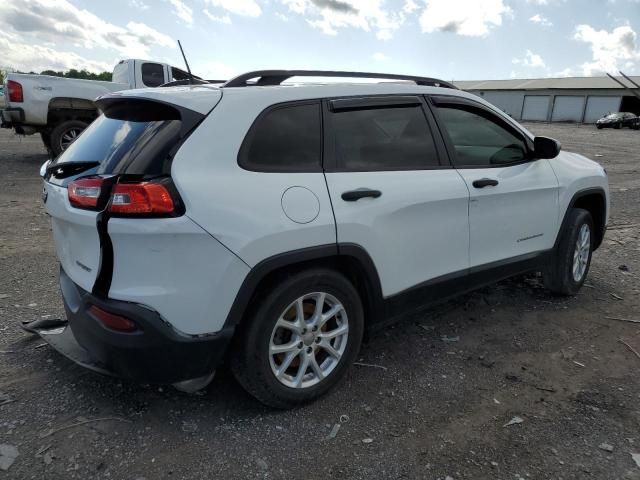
(65, 170)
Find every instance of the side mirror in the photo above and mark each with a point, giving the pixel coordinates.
(545, 147)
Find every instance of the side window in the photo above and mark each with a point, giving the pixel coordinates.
(394, 138)
(285, 139)
(152, 74)
(479, 140)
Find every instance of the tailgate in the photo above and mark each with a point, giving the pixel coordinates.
(75, 236)
(134, 140)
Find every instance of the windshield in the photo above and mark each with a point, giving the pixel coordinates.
(613, 116)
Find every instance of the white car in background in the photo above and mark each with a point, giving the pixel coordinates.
(272, 224)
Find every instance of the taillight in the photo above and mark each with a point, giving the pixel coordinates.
(85, 192)
(15, 91)
(144, 198)
(113, 321)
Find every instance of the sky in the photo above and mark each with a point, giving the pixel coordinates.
(448, 39)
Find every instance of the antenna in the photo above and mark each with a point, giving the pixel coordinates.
(186, 63)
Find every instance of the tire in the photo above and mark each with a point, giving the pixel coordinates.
(255, 367)
(599, 127)
(561, 278)
(64, 134)
(46, 141)
(617, 126)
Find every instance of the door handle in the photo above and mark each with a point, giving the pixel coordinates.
(485, 182)
(354, 195)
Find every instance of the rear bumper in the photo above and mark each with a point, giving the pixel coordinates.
(156, 353)
(10, 116)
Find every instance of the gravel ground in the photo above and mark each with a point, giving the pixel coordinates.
(434, 409)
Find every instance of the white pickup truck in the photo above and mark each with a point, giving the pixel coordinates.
(60, 108)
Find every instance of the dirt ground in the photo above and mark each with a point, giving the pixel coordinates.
(432, 408)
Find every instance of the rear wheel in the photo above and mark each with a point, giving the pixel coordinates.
(65, 134)
(573, 256)
(300, 339)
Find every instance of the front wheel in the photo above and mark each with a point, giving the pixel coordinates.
(300, 339)
(573, 256)
(65, 134)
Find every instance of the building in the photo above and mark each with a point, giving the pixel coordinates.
(571, 99)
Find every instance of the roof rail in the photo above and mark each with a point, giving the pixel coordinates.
(276, 77)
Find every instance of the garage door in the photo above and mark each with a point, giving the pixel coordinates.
(597, 107)
(535, 107)
(508, 102)
(567, 109)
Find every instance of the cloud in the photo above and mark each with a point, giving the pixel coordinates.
(244, 8)
(330, 16)
(183, 11)
(214, 70)
(472, 18)
(61, 23)
(335, 5)
(610, 51)
(35, 58)
(379, 57)
(139, 4)
(530, 59)
(541, 20)
(226, 19)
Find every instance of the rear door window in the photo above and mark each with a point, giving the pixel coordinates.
(287, 138)
(387, 138)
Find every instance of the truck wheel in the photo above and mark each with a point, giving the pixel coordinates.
(65, 134)
(299, 339)
(572, 259)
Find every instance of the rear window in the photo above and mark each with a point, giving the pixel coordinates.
(285, 139)
(133, 137)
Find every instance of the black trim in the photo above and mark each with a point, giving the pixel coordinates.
(276, 77)
(155, 353)
(382, 310)
(446, 287)
(243, 153)
(577, 196)
(371, 102)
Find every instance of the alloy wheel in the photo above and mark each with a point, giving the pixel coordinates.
(308, 340)
(581, 253)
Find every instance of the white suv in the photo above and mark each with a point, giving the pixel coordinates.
(272, 224)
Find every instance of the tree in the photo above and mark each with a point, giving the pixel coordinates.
(82, 74)
(3, 75)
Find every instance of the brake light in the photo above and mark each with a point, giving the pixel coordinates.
(113, 321)
(15, 91)
(85, 192)
(144, 198)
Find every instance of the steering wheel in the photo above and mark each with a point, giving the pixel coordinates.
(511, 153)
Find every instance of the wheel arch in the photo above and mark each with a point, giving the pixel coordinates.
(61, 109)
(594, 201)
(349, 259)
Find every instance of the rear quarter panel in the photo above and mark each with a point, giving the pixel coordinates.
(240, 208)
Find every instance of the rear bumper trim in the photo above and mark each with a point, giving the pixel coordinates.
(156, 353)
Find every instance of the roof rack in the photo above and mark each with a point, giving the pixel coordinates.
(276, 77)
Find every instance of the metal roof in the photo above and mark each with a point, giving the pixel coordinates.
(571, 83)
